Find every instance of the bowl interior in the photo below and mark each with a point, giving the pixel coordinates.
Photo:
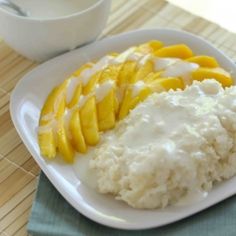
(83, 8)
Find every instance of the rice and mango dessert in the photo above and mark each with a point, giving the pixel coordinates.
(154, 114)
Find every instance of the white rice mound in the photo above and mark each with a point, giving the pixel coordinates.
(172, 145)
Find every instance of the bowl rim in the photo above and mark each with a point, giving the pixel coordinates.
(52, 19)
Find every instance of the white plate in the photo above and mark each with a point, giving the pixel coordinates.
(29, 96)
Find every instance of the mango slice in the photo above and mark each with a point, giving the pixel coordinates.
(143, 94)
(178, 51)
(106, 112)
(52, 109)
(89, 123)
(165, 84)
(59, 106)
(126, 73)
(125, 104)
(89, 87)
(47, 143)
(64, 146)
(76, 133)
(204, 61)
(110, 73)
(48, 107)
(152, 76)
(74, 80)
(131, 98)
(143, 70)
(76, 96)
(116, 103)
(218, 74)
(150, 47)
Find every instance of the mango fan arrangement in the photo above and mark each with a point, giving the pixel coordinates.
(100, 93)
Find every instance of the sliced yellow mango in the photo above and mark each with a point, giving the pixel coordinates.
(47, 143)
(53, 108)
(48, 107)
(64, 146)
(52, 103)
(204, 61)
(60, 106)
(89, 124)
(143, 71)
(113, 54)
(165, 84)
(63, 143)
(76, 96)
(152, 76)
(178, 51)
(143, 94)
(89, 87)
(131, 100)
(218, 74)
(106, 112)
(77, 91)
(126, 73)
(150, 47)
(125, 104)
(76, 133)
(110, 73)
(116, 103)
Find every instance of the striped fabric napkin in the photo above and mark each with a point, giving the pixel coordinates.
(52, 216)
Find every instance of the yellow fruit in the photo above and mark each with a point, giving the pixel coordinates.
(75, 97)
(143, 94)
(116, 103)
(131, 100)
(63, 143)
(53, 102)
(113, 54)
(52, 108)
(165, 84)
(126, 73)
(155, 85)
(218, 74)
(89, 124)
(204, 61)
(143, 71)
(47, 143)
(76, 133)
(64, 146)
(78, 90)
(150, 47)
(106, 112)
(110, 73)
(179, 51)
(89, 87)
(125, 104)
(48, 107)
(59, 106)
(152, 76)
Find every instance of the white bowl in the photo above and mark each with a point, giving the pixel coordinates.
(27, 101)
(41, 39)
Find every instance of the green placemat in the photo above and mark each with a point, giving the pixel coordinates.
(52, 216)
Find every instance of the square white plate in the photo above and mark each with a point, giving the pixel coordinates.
(30, 94)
